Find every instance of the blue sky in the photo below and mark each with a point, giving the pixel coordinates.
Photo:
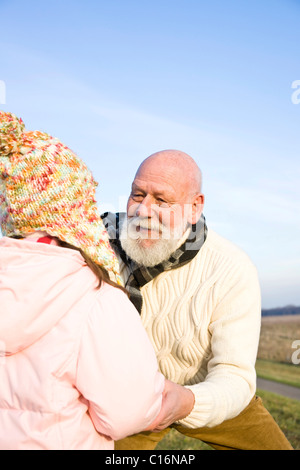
(118, 80)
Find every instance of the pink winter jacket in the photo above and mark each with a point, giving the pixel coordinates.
(77, 370)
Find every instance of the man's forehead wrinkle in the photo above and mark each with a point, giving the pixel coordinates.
(158, 186)
(171, 167)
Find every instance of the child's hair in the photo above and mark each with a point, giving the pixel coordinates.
(99, 271)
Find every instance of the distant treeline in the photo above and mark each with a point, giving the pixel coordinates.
(289, 310)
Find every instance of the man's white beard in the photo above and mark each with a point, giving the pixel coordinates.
(164, 245)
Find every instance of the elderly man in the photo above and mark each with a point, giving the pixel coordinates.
(199, 300)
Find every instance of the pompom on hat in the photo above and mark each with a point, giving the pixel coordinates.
(44, 186)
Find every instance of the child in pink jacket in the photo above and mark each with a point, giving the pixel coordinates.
(77, 370)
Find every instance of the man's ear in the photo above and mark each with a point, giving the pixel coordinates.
(197, 208)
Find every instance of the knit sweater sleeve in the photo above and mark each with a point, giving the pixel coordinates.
(235, 327)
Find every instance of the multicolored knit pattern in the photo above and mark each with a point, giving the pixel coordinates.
(44, 186)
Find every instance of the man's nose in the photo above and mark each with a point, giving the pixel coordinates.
(144, 209)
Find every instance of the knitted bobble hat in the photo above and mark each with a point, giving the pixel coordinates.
(44, 186)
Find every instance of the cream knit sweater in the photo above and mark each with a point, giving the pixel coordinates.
(203, 320)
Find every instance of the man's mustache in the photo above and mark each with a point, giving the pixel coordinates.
(153, 228)
(150, 228)
(146, 223)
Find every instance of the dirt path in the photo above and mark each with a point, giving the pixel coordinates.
(281, 389)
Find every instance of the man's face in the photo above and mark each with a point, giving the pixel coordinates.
(157, 208)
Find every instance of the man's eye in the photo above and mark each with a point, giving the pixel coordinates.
(162, 203)
(137, 196)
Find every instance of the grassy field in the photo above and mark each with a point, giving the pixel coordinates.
(288, 374)
(275, 349)
(274, 363)
(277, 336)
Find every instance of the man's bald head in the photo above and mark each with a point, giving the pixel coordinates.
(176, 164)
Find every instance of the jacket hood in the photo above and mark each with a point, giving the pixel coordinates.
(39, 284)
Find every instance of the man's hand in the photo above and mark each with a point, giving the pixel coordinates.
(177, 403)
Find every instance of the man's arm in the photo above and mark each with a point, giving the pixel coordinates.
(230, 382)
